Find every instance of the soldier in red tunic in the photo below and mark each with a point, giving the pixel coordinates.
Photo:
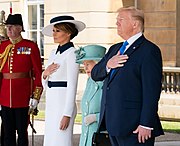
(21, 68)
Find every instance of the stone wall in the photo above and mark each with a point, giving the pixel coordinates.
(169, 106)
(161, 26)
(99, 17)
(162, 22)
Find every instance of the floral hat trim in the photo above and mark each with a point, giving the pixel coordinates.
(80, 53)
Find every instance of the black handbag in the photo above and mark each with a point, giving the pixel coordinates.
(100, 139)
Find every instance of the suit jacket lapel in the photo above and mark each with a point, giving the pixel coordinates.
(129, 52)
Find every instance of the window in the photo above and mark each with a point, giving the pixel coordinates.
(35, 22)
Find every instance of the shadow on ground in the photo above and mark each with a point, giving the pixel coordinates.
(168, 137)
(38, 140)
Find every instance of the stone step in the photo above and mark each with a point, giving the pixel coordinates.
(169, 106)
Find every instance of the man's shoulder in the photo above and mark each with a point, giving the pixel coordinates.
(151, 46)
(114, 46)
(4, 42)
(29, 41)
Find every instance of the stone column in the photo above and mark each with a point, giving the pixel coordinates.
(161, 27)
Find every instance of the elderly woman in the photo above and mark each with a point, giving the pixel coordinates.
(91, 100)
(60, 81)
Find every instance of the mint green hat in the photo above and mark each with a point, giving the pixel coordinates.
(90, 52)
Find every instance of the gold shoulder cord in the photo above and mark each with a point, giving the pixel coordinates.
(4, 56)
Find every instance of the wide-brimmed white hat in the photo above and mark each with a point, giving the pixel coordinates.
(48, 30)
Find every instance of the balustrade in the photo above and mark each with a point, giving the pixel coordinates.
(171, 79)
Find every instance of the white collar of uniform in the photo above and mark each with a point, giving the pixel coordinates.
(132, 39)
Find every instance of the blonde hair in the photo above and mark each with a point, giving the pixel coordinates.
(135, 13)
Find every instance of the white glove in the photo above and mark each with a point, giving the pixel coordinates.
(89, 119)
(33, 103)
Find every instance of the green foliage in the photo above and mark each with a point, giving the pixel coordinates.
(78, 119)
(171, 126)
(167, 126)
(41, 116)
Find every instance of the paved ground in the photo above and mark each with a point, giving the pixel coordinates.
(38, 137)
(169, 139)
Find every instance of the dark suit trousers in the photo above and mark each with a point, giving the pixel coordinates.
(15, 119)
(131, 140)
(2, 133)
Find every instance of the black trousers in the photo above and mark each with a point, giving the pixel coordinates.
(131, 140)
(15, 119)
(2, 133)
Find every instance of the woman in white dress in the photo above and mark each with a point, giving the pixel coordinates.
(60, 81)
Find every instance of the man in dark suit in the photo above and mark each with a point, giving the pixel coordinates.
(132, 84)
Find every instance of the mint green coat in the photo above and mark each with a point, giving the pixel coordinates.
(90, 104)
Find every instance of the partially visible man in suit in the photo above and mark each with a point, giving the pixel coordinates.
(132, 72)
